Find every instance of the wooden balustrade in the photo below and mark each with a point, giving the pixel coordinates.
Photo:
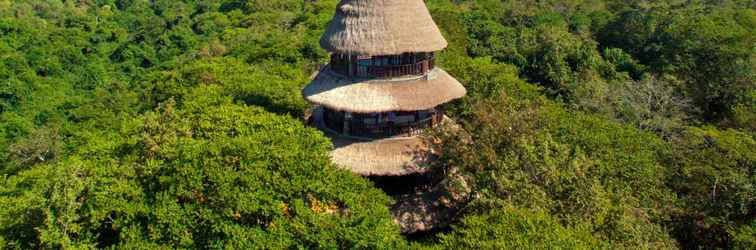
(359, 127)
(389, 66)
(392, 130)
(419, 68)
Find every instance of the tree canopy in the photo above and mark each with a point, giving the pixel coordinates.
(176, 124)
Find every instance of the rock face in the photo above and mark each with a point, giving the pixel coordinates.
(436, 208)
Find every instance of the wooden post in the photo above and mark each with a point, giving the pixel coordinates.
(347, 121)
(350, 65)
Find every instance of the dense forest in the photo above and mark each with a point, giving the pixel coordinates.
(178, 124)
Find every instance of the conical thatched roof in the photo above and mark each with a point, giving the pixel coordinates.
(342, 93)
(382, 27)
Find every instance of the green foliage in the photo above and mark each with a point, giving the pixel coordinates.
(709, 46)
(540, 43)
(578, 168)
(570, 47)
(81, 66)
(715, 181)
(624, 62)
(172, 124)
(90, 166)
(275, 87)
(485, 79)
(745, 237)
(511, 228)
(219, 176)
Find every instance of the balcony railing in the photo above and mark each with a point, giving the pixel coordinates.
(383, 66)
(388, 71)
(377, 127)
(390, 129)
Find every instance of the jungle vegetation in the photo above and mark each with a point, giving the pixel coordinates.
(177, 124)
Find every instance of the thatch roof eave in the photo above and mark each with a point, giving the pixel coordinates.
(338, 92)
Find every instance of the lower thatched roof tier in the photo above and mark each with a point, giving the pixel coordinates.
(387, 157)
(342, 93)
(382, 27)
(397, 156)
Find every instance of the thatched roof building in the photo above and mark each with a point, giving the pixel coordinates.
(382, 27)
(382, 87)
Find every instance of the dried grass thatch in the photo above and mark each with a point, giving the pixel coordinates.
(387, 157)
(397, 156)
(382, 27)
(342, 93)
